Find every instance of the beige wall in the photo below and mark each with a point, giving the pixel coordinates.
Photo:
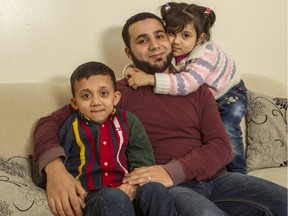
(45, 40)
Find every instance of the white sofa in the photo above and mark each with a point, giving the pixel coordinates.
(22, 104)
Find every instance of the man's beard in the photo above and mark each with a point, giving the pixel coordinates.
(155, 68)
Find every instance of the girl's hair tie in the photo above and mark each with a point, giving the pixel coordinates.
(167, 6)
(207, 11)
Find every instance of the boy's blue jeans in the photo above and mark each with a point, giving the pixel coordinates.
(232, 107)
(230, 194)
(152, 199)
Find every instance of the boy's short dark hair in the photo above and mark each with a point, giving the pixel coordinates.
(134, 19)
(88, 69)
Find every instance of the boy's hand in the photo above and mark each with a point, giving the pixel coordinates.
(130, 190)
(137, 78)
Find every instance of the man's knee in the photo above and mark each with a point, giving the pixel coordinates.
(154, 188)
(153, 192)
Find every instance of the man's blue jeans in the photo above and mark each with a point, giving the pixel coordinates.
(231, 194)
(152, 199)
(232, 107)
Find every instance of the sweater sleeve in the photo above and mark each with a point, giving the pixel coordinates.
(195, 73)
(209, 159)
(139, 151)
(47, 145)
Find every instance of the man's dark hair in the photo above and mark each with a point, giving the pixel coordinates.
(89, 69)
(134, 19)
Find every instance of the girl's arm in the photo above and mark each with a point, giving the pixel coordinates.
(180, 83)
(137, 78)
(195, 73)
(183, 82)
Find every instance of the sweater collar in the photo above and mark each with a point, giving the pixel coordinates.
(197, 52)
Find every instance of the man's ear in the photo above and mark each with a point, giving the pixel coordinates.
(117, 97)
(128, 53)
(73, 103)
(201, 38)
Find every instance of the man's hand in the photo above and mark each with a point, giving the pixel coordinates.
(143, 175)
(65, 195)
(137, 78)
(130, 190)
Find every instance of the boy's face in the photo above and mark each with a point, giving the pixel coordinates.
(95, 97)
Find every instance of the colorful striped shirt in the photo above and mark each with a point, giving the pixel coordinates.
(100, 155)
(206, 64)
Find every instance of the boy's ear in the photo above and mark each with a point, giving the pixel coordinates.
(128, 53)
(73, 103)
(117, 97)
(201, 38)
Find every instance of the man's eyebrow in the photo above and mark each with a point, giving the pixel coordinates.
(146, 35)
(141, 35)
(159, 31)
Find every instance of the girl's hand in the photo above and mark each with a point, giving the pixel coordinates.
(137, 78)
(128, 71)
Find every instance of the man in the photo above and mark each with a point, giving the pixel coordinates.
(189, 141)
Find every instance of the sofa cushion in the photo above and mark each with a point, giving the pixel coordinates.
(19, 195)
(277, 175)
(266, 121)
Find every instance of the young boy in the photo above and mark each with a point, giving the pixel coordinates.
(103, 144)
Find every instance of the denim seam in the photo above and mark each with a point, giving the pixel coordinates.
(267, 211)
(99, 197)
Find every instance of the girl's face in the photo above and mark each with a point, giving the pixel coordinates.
(183, 42)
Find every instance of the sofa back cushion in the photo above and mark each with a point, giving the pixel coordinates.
(22, 104)
(265, 85)
(266, 121)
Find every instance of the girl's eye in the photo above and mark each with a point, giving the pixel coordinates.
(186, 35)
